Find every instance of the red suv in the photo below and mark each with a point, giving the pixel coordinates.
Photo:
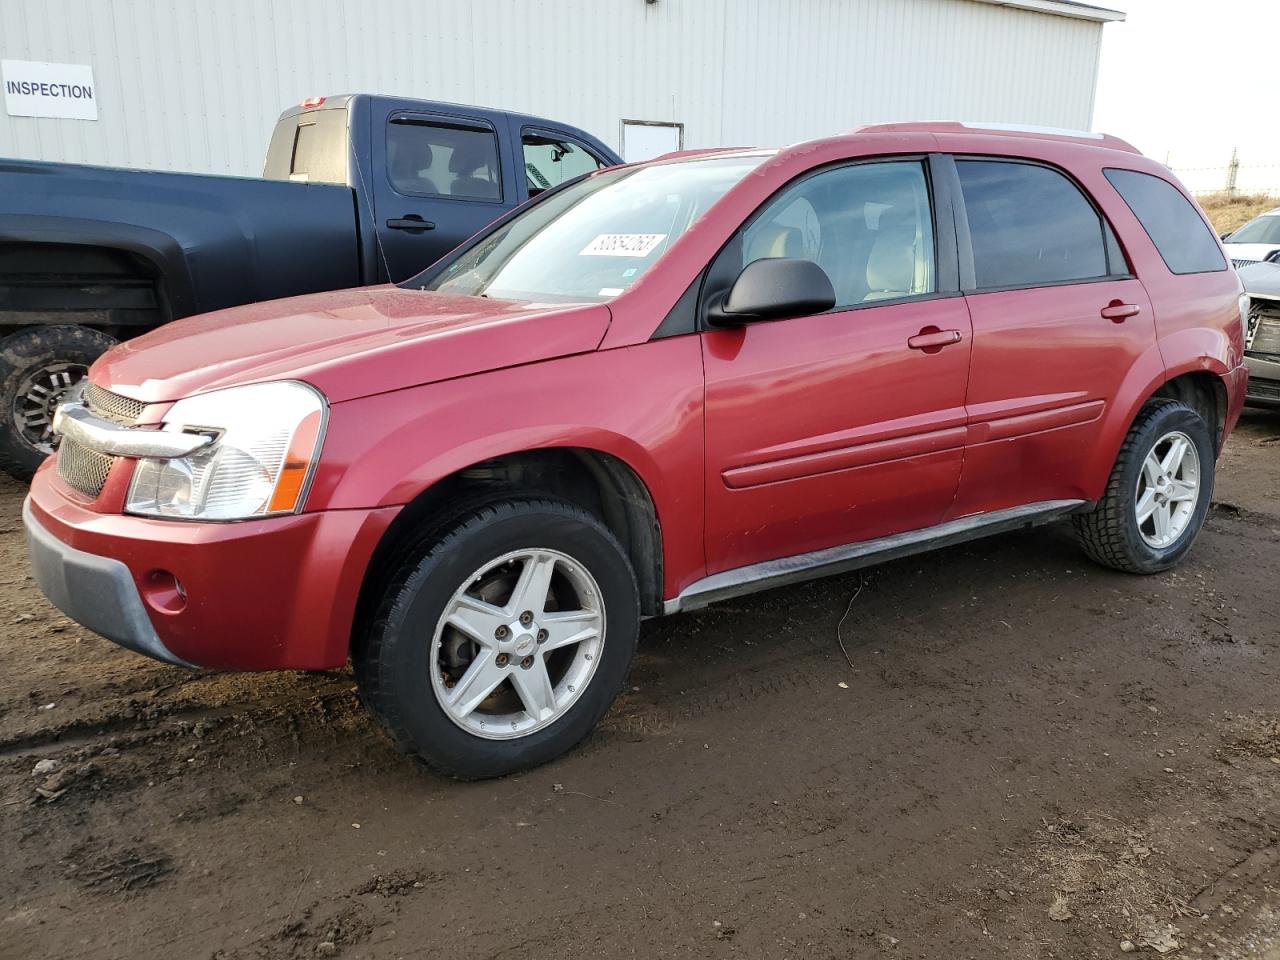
(650, 389)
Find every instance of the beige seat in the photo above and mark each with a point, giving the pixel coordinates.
(893, 264)
(773, 240)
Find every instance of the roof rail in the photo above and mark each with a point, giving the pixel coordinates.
(1003, 130)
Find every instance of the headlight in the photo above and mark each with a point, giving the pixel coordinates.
(1244, 318)
(267, 441)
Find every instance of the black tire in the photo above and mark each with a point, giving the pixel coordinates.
(59, 354)
(1110, 532)
(392, 655)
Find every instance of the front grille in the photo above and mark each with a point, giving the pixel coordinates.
(1264, 389)
(1241, 264)
(123, 410)
(86, 470)
(1264, 327)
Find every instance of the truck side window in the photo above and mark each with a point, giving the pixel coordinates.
(550, 161)
(441, 159)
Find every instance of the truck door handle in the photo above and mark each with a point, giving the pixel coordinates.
(1118, 312)
(931, 339)
(412, 222)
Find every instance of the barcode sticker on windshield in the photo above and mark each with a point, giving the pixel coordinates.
(622, 245)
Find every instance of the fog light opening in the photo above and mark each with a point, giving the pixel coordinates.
(164, 592)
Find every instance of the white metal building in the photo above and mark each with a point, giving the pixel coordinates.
(197, 84)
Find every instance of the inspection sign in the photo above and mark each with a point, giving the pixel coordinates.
(35, 89)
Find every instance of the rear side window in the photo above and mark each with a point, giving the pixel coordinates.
(1171, 222)
(309, 148)
(443, 159)
(1031, 226)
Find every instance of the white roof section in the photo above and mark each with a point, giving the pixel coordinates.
(1063, 8)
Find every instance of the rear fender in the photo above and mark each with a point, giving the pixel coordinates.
(161, 251)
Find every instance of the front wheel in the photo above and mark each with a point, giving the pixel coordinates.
(501, 643)
(38, 367)
(1158, 494)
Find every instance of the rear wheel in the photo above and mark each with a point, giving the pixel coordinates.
(38, 367)
(1158, 494)
(502, 642)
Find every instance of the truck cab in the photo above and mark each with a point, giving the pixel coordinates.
(357, 189)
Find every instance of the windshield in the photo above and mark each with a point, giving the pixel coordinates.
(1263, 230)
(595, 238)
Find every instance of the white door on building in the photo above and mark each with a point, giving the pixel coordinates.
(644, 140)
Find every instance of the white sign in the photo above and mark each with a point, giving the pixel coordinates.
(622, 245)
(34, 89)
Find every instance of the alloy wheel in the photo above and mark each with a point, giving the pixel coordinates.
(517, 644)
(38, 396)
(1168, 489)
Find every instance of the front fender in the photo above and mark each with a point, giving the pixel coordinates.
(640, 404)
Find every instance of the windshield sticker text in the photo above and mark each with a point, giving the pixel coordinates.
(622, 245)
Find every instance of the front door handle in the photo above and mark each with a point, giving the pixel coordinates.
(931, 339)
(1118, 311)
(413, 223)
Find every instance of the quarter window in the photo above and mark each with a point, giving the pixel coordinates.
(869, 226)
(550, 161)
(1031, 226)
(443, 159)
(1171, 222)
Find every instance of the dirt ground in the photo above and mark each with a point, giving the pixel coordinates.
(1030, 757)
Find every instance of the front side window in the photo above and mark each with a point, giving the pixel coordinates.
(550, 161)
(1262, 230)
(592, 240)
(1180, 234)
(443, 159)
(1031, 226)
(869, 226)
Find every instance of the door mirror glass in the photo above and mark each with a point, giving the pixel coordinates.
(775, 288)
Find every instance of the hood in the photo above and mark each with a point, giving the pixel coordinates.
(348, 343)
(1261, 280)
(1250, 252)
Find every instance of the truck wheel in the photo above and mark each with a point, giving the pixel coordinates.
(1158, 494)
(38, 365)
(500, 644)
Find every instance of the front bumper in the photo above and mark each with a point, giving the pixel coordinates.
(269, 594)
(1264, 381)
(96, 592)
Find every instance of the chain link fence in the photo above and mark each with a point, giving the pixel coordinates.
(1233, 177)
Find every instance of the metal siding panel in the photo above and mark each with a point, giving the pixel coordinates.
(199, 86)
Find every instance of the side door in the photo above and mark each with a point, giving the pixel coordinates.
(1058, 320)
(549, 157)
(438, 180)
(846, 425)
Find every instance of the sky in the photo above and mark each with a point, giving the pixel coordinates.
(1186, 81)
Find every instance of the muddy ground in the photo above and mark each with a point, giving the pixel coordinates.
(1029, 757)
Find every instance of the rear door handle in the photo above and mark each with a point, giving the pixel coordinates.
(1118, 312)
(413, 222)
(931, 339)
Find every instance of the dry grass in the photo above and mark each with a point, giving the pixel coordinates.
(1228, 211)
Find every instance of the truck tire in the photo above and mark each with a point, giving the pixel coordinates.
(1158, 494)
(38, 365)
(498, 645)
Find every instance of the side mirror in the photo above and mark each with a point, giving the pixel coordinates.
(1223, 236)
(773, 289)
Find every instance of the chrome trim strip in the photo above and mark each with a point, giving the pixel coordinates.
(842, 559)
(74, 421)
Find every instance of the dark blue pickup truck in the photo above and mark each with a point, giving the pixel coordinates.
(357, 189)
